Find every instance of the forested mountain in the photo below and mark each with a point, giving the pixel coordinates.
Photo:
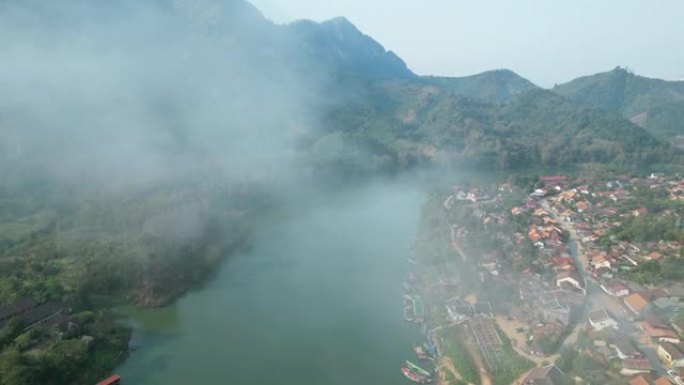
(410, 123)
(654, 104)
(494, 86)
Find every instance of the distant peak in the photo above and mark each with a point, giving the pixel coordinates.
(502, 73)
(622, 71)
(340, 23)
(339, 20)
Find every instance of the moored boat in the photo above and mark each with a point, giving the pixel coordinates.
(411, 375)
(417, 369)
(420, 352)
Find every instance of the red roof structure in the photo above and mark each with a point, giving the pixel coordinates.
(114, 379)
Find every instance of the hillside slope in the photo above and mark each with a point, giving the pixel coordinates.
(654, 104)
(494, 86)
(407, 123)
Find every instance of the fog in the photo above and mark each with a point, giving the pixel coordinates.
(130, 94)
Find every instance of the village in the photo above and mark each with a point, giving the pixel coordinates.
(583, 277)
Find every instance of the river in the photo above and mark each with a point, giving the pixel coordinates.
(316, 300)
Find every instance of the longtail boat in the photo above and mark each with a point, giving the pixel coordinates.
(410, 375)
(417, 369)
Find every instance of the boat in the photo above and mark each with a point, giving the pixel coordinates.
(420, 352)
(430, 348)
(417, 309)
(410, 375)
(417, 369)
(408, 313)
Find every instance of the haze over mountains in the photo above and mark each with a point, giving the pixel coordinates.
(352, 104)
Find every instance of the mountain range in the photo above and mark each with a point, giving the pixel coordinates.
(654, 104)
(371, 113)
(380, 116)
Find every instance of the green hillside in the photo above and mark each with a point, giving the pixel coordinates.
(495, 86)
(654, 104)
(400, 124)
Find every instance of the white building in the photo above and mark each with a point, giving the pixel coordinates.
(599, 320)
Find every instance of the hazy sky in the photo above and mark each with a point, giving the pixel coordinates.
(547, 41)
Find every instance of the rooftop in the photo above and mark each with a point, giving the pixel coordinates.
(598, 316)
(636, 302)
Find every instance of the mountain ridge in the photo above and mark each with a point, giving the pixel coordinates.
(655, 104)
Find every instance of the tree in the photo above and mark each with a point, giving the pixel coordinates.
(11, 330)
(15, 369)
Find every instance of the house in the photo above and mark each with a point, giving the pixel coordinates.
(564, 263)
(646, 379)
(570, 278)
(603, 273)
(636, 303)
(640, 380)
(554, 180)
(634, 366)
(623, 348)
(662, 381)
(458, 311)
(566, 196)
(582, 206)
(615, 289)
(15, 309)
(653, 256)
(49, 313)
(671, 355)
(641, 211)
(599, 320)
(547, 375)
(599, 260)
(656, 330)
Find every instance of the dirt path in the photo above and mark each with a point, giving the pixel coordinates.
(520, 379)
(447, 364)
(518, 341)
(474, 352)
(455, 246)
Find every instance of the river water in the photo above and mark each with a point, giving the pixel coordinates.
(317, 300)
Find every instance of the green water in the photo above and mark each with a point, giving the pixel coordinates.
(317, 300)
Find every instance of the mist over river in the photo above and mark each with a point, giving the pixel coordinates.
(316, 300)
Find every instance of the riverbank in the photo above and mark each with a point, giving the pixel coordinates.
(462, 301)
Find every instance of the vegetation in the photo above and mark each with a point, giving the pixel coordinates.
(513, 366)
(657, 105)
(391, 126)
(498, 86)
(49, 356)
(453, 346)
(653, 272)
(76, 246)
